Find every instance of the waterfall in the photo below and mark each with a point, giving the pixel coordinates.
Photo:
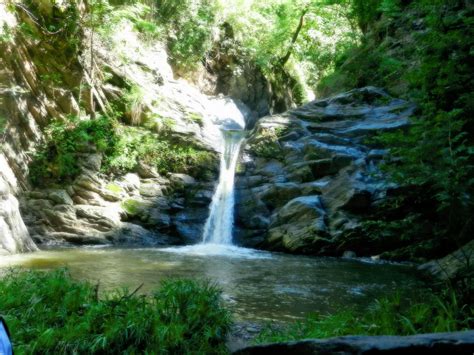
(219, 224)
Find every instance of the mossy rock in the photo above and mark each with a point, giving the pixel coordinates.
(114, 188)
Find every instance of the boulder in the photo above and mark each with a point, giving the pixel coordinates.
(299, 226)
(181, 180)
(453, 266)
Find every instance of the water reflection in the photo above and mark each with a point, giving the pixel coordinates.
(256, 285)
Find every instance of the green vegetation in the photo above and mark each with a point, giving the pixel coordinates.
(116, 189)
(189, 25)
(58, 160)
(133, 99)
(267, 145)
(420, 50)
(49, 312)
(131, 206)
(58, 24)
(122, 147)
(3, 124)
(389, 316)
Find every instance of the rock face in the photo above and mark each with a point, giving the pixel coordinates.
(14, 237)
(454, 266)
(40, 84)
(442, 343)
(308, 177)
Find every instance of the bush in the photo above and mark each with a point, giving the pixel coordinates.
(58, 159)
(49, 312)
(123, 147)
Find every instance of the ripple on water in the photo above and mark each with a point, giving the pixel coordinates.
(256, 285)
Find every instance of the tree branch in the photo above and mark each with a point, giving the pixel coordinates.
(287, 56)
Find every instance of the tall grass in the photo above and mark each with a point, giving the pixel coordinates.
(428, 313)
(50, 313)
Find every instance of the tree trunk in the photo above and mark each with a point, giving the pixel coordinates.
(287, 56)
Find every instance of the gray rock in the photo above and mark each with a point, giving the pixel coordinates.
(277, 195)
(181, 180)
(349, 255)
(146, 171)
(60, 197)
(130, 182)
(14, 237)
(133, 234)
(92, 162)
(453, 265)
(159, 219)
(323, 152)
(151, 190)
(299, 226)
(439, 344)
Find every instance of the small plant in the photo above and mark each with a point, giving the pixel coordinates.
(195, 117)
(266, 145)
(58, 159)
(134, 105)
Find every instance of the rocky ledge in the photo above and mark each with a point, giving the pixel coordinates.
(308, 177)
(442, 343)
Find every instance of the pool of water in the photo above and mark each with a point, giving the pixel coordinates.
(256, 285)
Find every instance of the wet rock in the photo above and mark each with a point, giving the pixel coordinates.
(277, 195)
(133, 234)
(299, 225)
(189, 224)
(322, 152)
(159, 219)
(349, 255)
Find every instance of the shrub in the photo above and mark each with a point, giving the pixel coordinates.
(49, 312)
(58, 159)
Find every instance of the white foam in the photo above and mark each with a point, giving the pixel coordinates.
(210, 249)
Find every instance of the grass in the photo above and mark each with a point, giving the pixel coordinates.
(389, 316)
(51, 313)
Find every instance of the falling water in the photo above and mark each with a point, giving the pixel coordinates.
(219, 225)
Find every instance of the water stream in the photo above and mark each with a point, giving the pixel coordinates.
(220, 223)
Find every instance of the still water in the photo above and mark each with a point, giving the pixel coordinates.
(256, 285)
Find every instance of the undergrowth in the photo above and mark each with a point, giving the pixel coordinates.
(50, 313)
(59, 160)
(395, 315)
